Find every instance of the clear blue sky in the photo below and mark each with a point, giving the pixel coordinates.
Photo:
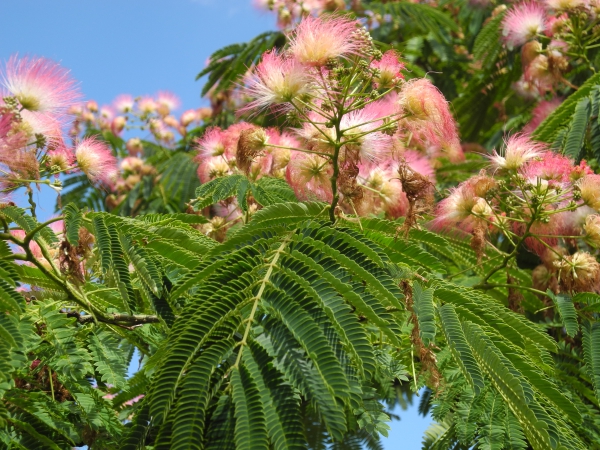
(141, 47)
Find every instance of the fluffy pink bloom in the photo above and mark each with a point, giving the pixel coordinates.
(40, 84)
(214, 167)
(540, 112)
(147, 105)
(519, 150)
(61, 157)
(133, 400)
(419, 164)
(383, 191)
(96, 160)
(428, 117)
(36, 251)
(276, 80)
(357, 127)
(316, 40)
(561, 5)
(456, 209)
(188, 117)
(123, 103)
(551, 167)
(167, 102)
(523, 22)
(12, 137)
(212, 143)
(389, 68)
(309, 176)
(589, 186)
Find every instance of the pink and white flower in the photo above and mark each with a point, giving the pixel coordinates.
(523, 22)
(96, 160)
(317, 40)
(40, 85)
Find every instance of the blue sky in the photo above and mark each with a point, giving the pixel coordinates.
(140, 47)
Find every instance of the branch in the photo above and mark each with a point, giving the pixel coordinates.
(116, 319)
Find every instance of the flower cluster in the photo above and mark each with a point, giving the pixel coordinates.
(152, 113)
(364, 137)
(554, 38)
(534, 199)
(291, 11)
(36, 96)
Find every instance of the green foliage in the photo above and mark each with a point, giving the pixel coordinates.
(266, 191)
(228, 64)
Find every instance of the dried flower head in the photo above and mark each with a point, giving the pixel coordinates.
(250, 145)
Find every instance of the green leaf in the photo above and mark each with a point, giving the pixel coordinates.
(73, 217)
(591, 352)
(460, 347)
(567, 312)
(250, 422)
(577, 129)
(425, 312)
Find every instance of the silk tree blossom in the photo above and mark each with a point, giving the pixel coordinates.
(523, 22)
(389, 70)
(562, 5)
(359, 129)
(309, 176)
(166, 102)
(519, 149)
(427, 117)
(579, 272)
(124, 103)
(96, 160)
(40, 85)
(589, 188)
(552, 167)
(540, 112)
(316, 40)
(592, 230)
(456, 209)
(382, 190)
(275, 81)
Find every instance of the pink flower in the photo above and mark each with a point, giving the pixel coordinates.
(540, 112)
(561, 5)
(188, 117)
(519, 150)
(390, 68)
(276, 80)
(309, 176)
(212, 143)
(551, 167)
(456, 209)
(419, 164)
(384, 190)
(12, 138)
(523, 22)
(589, 187)
(147, 105)
(357, 128)
(317, 40)
(428, 118)
(124, 103)
(214, 167)
(40, 85)
(96, 160)
(167, 102)
(60, 157)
